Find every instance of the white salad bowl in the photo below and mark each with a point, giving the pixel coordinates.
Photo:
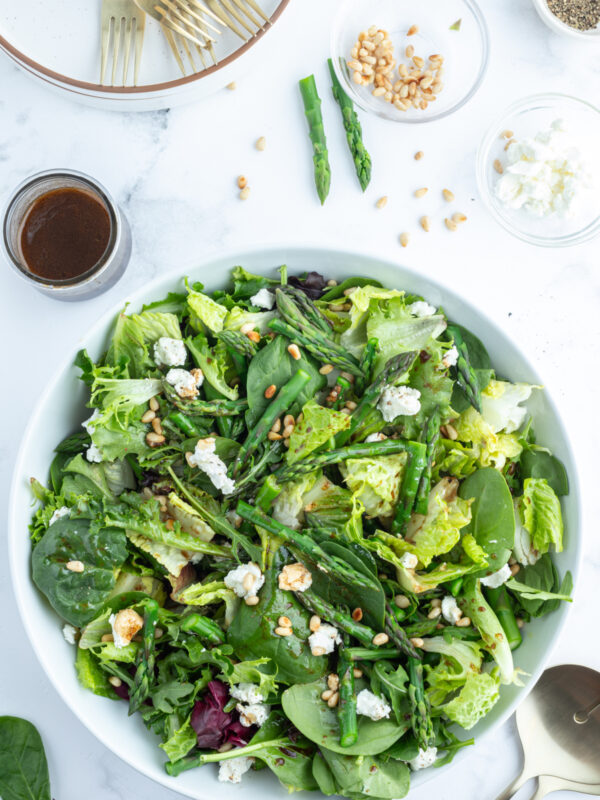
(63, 402)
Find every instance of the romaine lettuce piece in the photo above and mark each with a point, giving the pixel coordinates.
(214, 363)
(240, 316)
(375, 481)
(398, 331)
(134, 336)
(493, 448)
(288, 507)
(476, 699)
(459, 660)
(204, 311)
(317, 426)
(501, 405)
(355, 337)
(541, 515)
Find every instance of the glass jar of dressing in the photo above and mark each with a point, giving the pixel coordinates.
(64, 234)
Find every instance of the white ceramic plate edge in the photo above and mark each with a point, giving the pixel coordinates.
(275, 255)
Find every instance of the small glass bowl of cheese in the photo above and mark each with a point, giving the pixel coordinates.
(538, 170)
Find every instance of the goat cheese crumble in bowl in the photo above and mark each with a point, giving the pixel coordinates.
(538, 170)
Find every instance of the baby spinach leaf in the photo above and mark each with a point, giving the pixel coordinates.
(273, 365)
(23, 765)
(492, 515)
(368, 775)
(336, 588)
(319, 723)
(292, 765)
(324, 776)
(252, 633)
(536, 586)
(78, 596)
(539, 464)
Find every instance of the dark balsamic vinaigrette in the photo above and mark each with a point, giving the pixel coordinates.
(64, 234)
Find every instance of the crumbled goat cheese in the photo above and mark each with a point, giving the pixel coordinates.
(424, 759)
(397, 400)
(376, 437)
(231, 770)
(450, 610)
(88, 425)
(497, 578)
(247, 693)
(185, 382)
(295, 578)
(450, 357)
(369, 705)
(253, 714)
(236, 578)
(125, 624)
(93, 454)
(169, 352)
(233, 517)
(61, 512)
(409, 560)
(205, 458)
(324, 638)
(544, 174)
(69, 632)
(421, 309)
(263, 299)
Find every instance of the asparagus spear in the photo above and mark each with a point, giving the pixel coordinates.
(237, 341)
(429, 435)
(311, 601)
(196, 408)
(347, 703)
(398, 635)
(321, 349)
(417, 460)
(144, 672)
(394, 369)
(421, 722)
(360, 450)
(312, 109)
(344, 387)
(500, 604)
(302, 541)
(466, 376)
(280, 405)
(185, 424)
(204, 627)
(366, 364)
(365, 654)
(360, 156)
(309, 309)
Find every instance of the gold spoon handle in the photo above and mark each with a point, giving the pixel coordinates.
(514, 786)
(548, 784)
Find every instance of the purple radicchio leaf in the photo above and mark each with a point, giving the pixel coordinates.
(313, 284)
(214, 726)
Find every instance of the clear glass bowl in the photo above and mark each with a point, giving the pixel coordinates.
(525, 119)
(465, 51)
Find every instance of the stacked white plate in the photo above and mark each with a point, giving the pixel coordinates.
(59, 44)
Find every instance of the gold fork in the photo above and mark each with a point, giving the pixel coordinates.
(121, 20)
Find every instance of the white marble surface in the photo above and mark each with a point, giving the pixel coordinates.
(174, 174)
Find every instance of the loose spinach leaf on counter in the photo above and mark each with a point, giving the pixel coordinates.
(23, 765)
(492, 515)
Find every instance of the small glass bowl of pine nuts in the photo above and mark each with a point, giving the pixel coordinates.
(410, 62)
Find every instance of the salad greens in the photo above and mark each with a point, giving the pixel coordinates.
(303, 529)
(23, 765)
